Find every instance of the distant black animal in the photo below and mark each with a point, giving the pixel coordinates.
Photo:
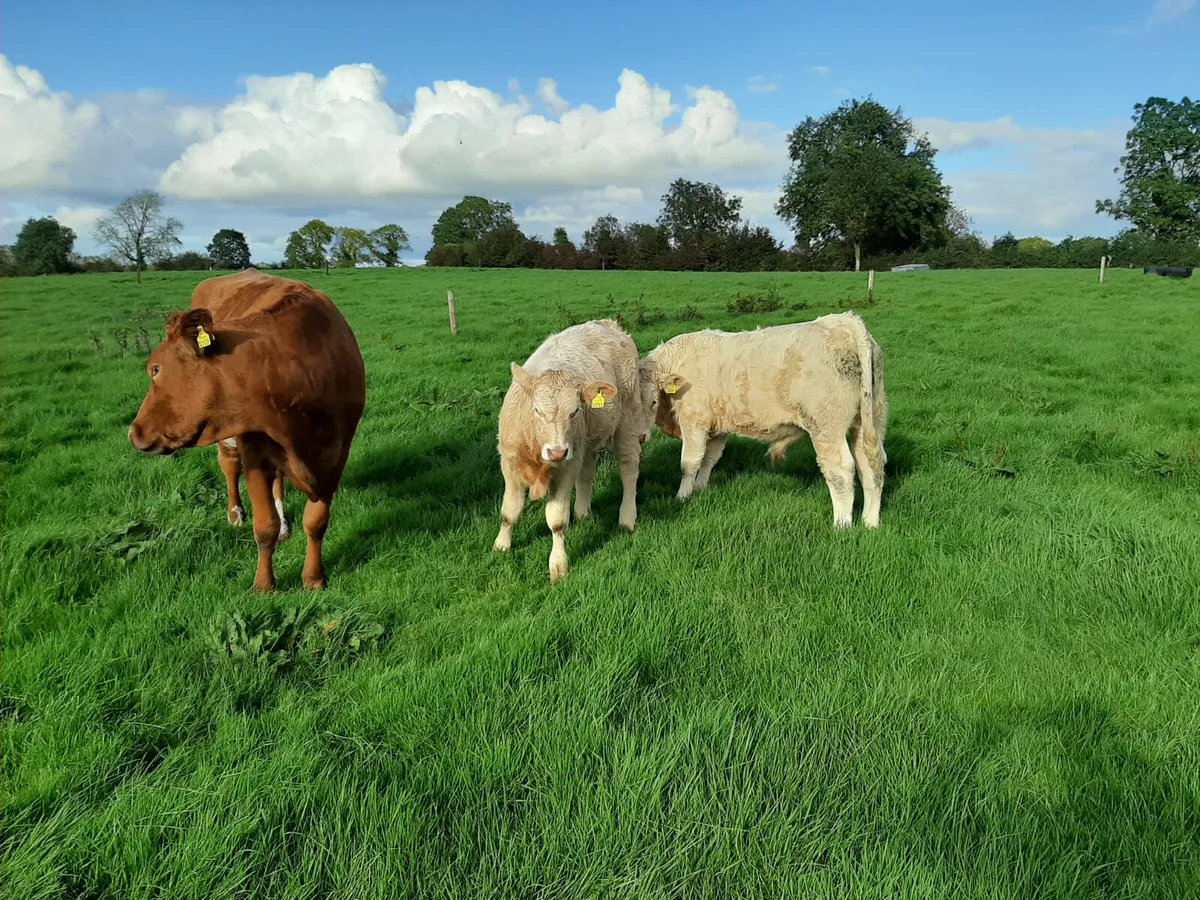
(1173, 271)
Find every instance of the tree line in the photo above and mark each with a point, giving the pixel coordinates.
(862, 191)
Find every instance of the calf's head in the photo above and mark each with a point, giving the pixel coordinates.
(557, 401)
(659, 391)
(183, 386)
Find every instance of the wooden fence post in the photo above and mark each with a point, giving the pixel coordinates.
(453, 317)
(871, 286)
(1103, 261)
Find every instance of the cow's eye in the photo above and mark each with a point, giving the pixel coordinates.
(154, 371)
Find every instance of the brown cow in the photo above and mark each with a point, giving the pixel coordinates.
(268, 368)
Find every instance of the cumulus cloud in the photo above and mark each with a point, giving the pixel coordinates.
(42, 129)
(303, 138)
(1034, 179)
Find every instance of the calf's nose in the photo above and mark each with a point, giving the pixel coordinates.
(556, 454)
(138, 438)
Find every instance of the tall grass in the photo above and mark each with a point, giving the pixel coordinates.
(995, 695)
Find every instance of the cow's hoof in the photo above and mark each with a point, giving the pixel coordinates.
(558, 572)
(629, 525)
(236, 516)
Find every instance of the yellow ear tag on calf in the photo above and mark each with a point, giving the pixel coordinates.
(672, 388)
(598, 402)
(202, 338)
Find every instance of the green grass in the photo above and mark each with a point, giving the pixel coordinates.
(995, 695)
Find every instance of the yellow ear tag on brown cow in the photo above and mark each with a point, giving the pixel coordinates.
(202, 337)
(672, 388)
(598, 402)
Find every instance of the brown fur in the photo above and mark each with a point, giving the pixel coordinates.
(283, 375)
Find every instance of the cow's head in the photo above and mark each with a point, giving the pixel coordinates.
(557, 400)
(183, 386)
(659, 391)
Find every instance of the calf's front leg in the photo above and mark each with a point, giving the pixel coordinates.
(558, 515)
(695, 445)
(510, 509)
(629, 457)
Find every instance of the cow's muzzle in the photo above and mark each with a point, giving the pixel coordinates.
(145, 443)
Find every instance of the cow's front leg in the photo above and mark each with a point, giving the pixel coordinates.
(510, 509)
(558, 514)
(260, 473)
(716, 446)
(316, 522)
(629, 457)
(230, 460)
(695, 445)
(584, 483)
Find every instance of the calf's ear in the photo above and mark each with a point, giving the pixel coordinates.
(597, 394)
(195, 327)
(673, 385)
(521, 377)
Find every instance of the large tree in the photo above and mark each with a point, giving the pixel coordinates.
(1160, 171)
(137, 232)
(693, 210)
(351, 246)
(469, 220)
(387, 242)
(229, 250)
(308, 246)
(862, 174)
(44, 248)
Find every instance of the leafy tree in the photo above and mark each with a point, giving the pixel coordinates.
(1160, 171)
(188, 261)
(308, 246)
(229, 250)
(958, 223)
(863, 175)
(8, 268)
(137, 232)
(750, 249)
(44, 248)
(1007, 243)
(351, 246)
(1034, 244)
(561, 241)
(467, 221)
(694, 210)
(386, 244)
(502, 247)
(607, 242)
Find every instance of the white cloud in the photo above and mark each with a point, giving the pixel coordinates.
(548, 92)
(1170, 10)
(760, 84)
(820, 70)
(79, 219)
(303, 138)
(42, 129)
(1036, 179)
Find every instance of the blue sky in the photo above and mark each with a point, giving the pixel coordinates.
(1027, 102)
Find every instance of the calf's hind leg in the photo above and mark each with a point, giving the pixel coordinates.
(870, 472)
(716, 446)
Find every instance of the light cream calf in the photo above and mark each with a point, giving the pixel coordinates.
(577, 394)
(823, 377)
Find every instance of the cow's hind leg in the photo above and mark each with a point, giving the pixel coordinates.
(695, 446)
(870, 472)
(584, 484)
(837, 465)
(510, 509)
(716, 446)
(284, 531)
(230, 460)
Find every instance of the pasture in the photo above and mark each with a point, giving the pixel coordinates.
(995, 695)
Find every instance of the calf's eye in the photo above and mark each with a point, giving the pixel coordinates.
(154, 371)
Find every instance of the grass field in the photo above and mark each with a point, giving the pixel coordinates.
(995, 695)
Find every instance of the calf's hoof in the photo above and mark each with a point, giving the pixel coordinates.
(558, 570)
(314, 584)
(236, 516)
(502, 544)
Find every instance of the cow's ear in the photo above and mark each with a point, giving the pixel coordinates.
(521, 377)
(597, 394)
(194, 327)
(673, 385)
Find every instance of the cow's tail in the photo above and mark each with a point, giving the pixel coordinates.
(871, 439)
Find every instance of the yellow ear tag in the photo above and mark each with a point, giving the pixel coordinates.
(598, 402)
(202, 338)
(672, 388)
